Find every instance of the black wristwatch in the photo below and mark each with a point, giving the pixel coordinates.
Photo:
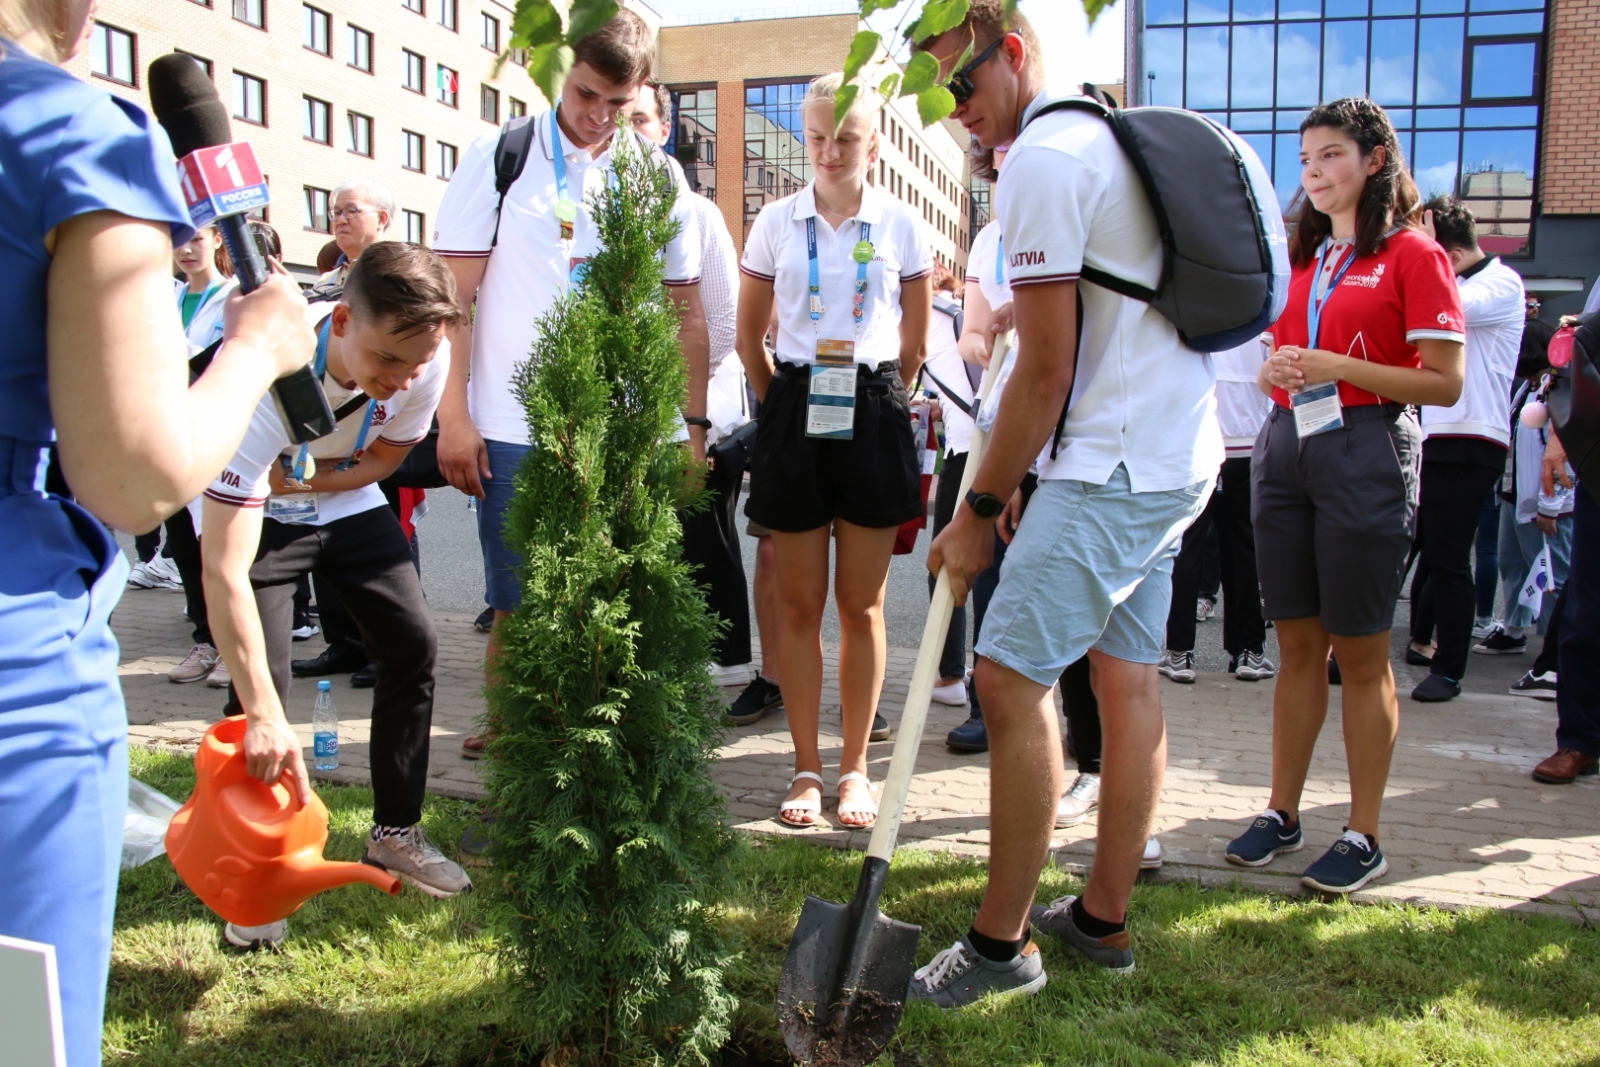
(697, 420)
(984, 505)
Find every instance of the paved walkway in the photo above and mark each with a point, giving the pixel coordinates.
(1464, 824)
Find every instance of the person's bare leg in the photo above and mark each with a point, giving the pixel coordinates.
(1025, 778)
(801, 574)
(768, 609)
(1133, 762)
(1371, 721)
(492, 656)
(1299, 706)
(861, 576)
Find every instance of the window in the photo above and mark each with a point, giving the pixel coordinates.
(111, 54)
(515, 108)
(1503, 69)
(414, 5)
(414, 150)
(319, 120)
(519, 56)
(489, 104)
(416, 70)
(774, 145)
(447, 160)
(416, 226)
(316, 209)
(360, 49)
(448, 10)
(206, 63)
(693, 138)
(249, 98)
(491, 32)
(319, 30)
(361, 134)
(449, 86)
(253, 12)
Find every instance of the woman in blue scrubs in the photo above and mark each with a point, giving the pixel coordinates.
(94, 359)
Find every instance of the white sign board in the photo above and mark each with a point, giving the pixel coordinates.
(30, 1005)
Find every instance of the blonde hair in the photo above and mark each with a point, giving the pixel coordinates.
(825, 90)
(46, 18)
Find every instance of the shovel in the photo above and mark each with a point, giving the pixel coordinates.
(844, 983)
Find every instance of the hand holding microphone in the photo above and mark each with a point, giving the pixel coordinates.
(272, 321)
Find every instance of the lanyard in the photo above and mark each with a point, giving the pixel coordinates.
(319, 369)
(1314, 308)
(205, 298)
(566, 210)
(858, 308)
(1000, 262)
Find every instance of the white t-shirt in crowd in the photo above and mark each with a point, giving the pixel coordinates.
(1493, 304)
(205, 329)
(1242, 408)
(944, 362)
(986, 266)
(776, 252)
(1067, 195)
(403, 419)
(531, 266)
(719, 278)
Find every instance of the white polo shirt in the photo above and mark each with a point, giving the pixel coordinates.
(1493, 303)
(719, 278)
(1242, 408)
(403, 419)
(987, 268)
(1067, 195)
(531, 265)
(776, 252)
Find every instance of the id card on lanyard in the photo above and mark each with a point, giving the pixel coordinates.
(1316, 407)
(831, 400)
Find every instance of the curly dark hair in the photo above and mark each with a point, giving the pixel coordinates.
(1390, 197)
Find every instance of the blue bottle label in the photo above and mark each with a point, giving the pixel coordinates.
(326, 745)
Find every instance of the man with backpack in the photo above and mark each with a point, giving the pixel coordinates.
(1120, 415)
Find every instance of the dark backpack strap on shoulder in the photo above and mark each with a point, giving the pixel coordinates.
(510, 156)
(1077, 353)
(949, 394)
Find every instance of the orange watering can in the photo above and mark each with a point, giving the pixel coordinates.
(251, 850)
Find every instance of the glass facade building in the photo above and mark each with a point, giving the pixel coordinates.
(1461, 79)
(775, 163)
(693, 140)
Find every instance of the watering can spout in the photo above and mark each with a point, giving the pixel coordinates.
(322, 875)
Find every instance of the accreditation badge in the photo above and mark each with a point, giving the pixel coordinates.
(293, 507)
(1317, 409)
(831, 404)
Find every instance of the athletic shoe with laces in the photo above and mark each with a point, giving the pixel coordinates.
(1114, 953)
(1267, 836)
(162, 573)
(1254, 667)
(1482, 628)
(1351, 863)
(1153, 854)
(1178, 666)
(196, 666)
(758, 698)
(306, 632)
(1501, 643)
(254, 937)
(219, 678)
(959, 976)
(1205, 608)
(416, 861)
(485, 621)
(138, 578)
(1078, 801)
(1538, 686)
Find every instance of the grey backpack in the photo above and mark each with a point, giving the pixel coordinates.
(1225, 276)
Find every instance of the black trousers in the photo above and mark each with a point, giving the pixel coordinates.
(1082, 709)
(183, 548)
(339, 629)
(364, 558)
(1443, 594)
(1549, 658)
(1228, 513)
(953, 659)
(1578, 697)
(716, 563)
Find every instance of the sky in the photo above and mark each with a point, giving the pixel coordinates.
(1073, 52)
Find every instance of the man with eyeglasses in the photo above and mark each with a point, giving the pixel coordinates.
(1124, 468)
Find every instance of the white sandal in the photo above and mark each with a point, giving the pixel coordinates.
(858, 808)
(813, 807)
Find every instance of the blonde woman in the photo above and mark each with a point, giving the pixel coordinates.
(848, 270)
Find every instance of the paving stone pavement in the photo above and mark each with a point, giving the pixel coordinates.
(1464, 823)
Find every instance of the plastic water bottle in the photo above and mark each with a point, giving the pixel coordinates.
(325, 729)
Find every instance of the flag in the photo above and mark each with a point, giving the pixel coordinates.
(1533, 590)
(448, 82)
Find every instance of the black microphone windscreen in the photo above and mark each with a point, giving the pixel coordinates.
(187, 105)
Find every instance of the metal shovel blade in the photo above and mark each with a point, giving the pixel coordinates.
(844, 983)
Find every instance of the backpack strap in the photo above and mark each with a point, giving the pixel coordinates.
(510, 156)
(949, 394)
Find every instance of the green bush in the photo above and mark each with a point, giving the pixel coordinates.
(610, 845)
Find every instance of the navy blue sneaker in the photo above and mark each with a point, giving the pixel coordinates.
(970, 736)
(1351, 863)
(1267, 836)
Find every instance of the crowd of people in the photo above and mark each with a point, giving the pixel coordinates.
(1117, 461)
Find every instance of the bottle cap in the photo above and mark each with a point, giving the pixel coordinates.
(324, 685)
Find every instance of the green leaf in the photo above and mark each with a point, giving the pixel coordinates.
(842, 100)
(535, 23)
(586, 16)
(862, 49)
(547, 66)
(1092, 8)
(889, 85)
(869, 6)
(942, 16)
(934, 104)
(921, 73)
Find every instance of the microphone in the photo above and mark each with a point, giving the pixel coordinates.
(221, 182)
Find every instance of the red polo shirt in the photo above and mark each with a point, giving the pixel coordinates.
(1384, 305)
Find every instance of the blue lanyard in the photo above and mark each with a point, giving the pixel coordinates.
(1000, 261)
(560, 160)
(858, 307)
(320, 368)
(1314, 308)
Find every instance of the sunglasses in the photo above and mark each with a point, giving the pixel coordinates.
(960, 83)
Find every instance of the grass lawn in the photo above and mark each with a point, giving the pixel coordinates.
(1224, 977)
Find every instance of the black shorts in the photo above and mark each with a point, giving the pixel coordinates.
(1334, 520)
(799, 483)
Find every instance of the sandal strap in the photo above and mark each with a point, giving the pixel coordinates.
(801, 805)
(858, 808)
(809, 775)
(854, 776)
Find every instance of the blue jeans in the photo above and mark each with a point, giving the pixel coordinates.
(1520, 545)
(502, 566)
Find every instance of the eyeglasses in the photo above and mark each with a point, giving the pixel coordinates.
(960, 83)
(347, 212)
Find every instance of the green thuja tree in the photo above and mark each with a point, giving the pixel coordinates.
(610, 845)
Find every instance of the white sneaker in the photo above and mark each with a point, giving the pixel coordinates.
(162, 574)
(954, 694)
(738, 674)
(1254, 667)
(219, 678)
(1482, 628)
(1204, 609)
(1078, 801)
(1178, 666)
(1151, 860)
(196, 666)
(306, 632)
(138, 578)
(268, 936)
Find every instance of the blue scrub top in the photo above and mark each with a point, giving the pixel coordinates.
(66, 149)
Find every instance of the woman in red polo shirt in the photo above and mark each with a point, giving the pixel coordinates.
(1373, 324)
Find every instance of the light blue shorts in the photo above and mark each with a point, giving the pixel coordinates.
(1090, 567)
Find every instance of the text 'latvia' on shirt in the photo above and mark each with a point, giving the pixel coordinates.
(777, 251)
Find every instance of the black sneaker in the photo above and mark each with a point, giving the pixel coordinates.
(758, 698)
(1501, 643)
(484, 622)
(1267, 837)
(880, 729)
(1351, 863)
(970, 736)
(1436, 689)
(1538, 686)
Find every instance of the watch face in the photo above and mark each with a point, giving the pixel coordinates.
(984, 505)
